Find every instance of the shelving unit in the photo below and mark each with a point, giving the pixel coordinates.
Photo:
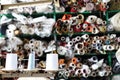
(55, 35)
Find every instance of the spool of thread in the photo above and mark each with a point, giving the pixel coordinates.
(31, 61)
(10, 59)
(52, 62)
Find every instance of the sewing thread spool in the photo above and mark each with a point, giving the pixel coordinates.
(31, 61)
(10, 58)
(52, 62)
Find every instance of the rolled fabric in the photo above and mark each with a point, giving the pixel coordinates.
(58, 30)
(108, 68)
(78, 38)
(81, 18)
(69, 44)
(94, 67)
(117, 55)
(85, 36)
(102, 29)
(62, 38)
(73, 9)
(90, 6)
(85, 69)
(79, 65)
(72, 74)
(116, 67)
(93, 74)
(62, 50)
(74, 20)
(95, 30)
(74, 40)
(99, 21)
(86, 1)
(70, 31)
(102, 73)
(105, 1)
(89, 29)
(61, 61)
(9, 33)
(62, 66)
(115, 21)
(42, 64)
(78, 73)
(109, 47)
(77, 28)
(17, 32)
(66, 74)
(66, 16)
(96, 38)
(39, 52)
(74, 60)
(93, 59)
(82, 52)
(79, 46)
(60, 74)
(85, 75)
(31, 31)
(110, 27)
(64, 30)
(91, 19)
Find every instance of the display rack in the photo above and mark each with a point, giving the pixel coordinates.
(54, 15)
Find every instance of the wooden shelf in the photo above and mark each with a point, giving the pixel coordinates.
(25, 74)
(7, 6)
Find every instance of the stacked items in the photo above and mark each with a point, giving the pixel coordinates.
(81, 5)
(41, 26)
(69, 24)
(16, 1)
(24, 47)
(87, 44)
(78, 67)
(30, 9)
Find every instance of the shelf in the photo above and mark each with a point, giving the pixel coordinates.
(7, 6)
(82, 33)
(28, 36)
(116, 74)
(25, 74)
